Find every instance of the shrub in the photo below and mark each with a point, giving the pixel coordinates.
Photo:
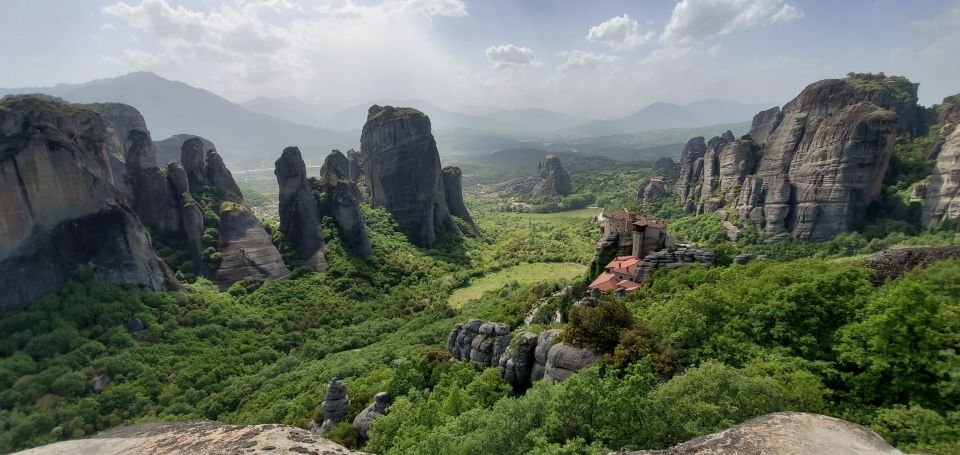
(598, 327)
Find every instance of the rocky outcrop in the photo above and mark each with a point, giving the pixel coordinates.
(335, 405)
(150, 193)
(516, 363)
(401, 166)
(61, 212)
(201, 438)
(545, 342)
(299, 214)
(453, 193)
(119, 119)
(787, 433)
(942, 193)
(361, 423)
(665, 259)
(665, 168)
(247, 250)
(823, 160)
(551, 180)
(356, 169)
(563, 361)
(341, 202)
(655, 189)
(171, 148)
(482, 343)
(192, 157)
(892, 264)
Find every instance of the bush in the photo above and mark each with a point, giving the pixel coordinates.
(598, 327)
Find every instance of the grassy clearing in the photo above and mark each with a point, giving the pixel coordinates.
(524, 274)
(578, 215)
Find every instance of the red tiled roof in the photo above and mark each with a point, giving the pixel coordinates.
(651, 222)
(628, 285)
(626, 265)
(605, 282)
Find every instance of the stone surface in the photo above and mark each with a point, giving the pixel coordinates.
(61, 212)
(335, 404)
(401, 166)
(299, 213)
(453, 193)
(482, 343)
(551, 180)
(201, 438)
(100, 382)
(786, 433)
(247, 250)
(545, 342)
(192, 155)
(823, 159)
(516, 363)
(119, 119)
(171, 148)
(665, 259)
(150, 193)
(894, 263)
(942, 197)
(361, 423)
(563, 361)
(341, 201)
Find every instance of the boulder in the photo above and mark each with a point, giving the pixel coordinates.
(563, 361)
(100, 382)
(61, 212)
(342, 202)
(361, 423)
(787, 433)
(482, 343)
(299, 214)
(516, 363)
(453, 190)
(335, 405)
(401, 166)
(894, 263)
(545, 342)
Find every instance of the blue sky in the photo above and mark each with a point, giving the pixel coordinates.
(595, 58)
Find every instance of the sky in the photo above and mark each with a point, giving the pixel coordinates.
(590, 58)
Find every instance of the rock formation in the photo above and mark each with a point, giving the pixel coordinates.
(823, 161)
(656, 188)
(482, 343)
(563, 361)
(786, 433)
(299, 214)
(516, 363)
(545, 342)
(171, 148)
(341, 201)
(665, 259)
(361, 423)
(201, 437)
(551, 180)
(942, 198)
(335, 405)
(149, 191)
(61, 212)
(119, 119)
(401, 166)
(453, 194)
(356, 169)
(894, 263)
(665, 168)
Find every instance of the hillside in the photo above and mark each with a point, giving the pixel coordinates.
(668, 115)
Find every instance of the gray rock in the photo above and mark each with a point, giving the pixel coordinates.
(563, 361)
(554, 180)
(171, 148)
(100, 382)
(894, 263)
(299, 213)
(335, 405)
(221, 179)
(192, 157)
(247, 250)
(942, 194)
(743, 258)
(362, 421)
(516, 363)
(544, 343)
(342, 202)
(454, 195)
(401, 166)
(61, 212)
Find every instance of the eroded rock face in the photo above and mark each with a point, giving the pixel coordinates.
(61, 212)
(119, 119)
(171, 148)
(401, 166)
(545, 342)
(942, 198)
(149, 192)
(362, 421)
(453, 192)
(299, 214)
(553, 179)
(192, 157)
(204, 437)
(482, 343)
(342, 202)
(894, 263)
(516, 363)
(788, 433)
(665, 259)
(823, 160)
(335, 405)
(563, 361)
(247, 249)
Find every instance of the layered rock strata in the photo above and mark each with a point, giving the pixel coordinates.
(942, 194)
(401, 167)
(335, 405)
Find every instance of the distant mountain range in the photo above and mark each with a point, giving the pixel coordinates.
(252, 133)
(243, 138)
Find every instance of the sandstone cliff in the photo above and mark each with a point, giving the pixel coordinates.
(61, 213)
(453, 193)
(299, 214)
(942, 200)
(119, 119)
(341, 201)
(822, 163)
(401, 166)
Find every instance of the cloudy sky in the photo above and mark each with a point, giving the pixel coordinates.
(595, 58)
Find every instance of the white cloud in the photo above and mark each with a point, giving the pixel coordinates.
(511, 56)
(694, 21)
(585, 60)
(619, 32)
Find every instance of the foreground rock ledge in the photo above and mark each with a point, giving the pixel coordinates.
(784, 433)
(203, 437)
